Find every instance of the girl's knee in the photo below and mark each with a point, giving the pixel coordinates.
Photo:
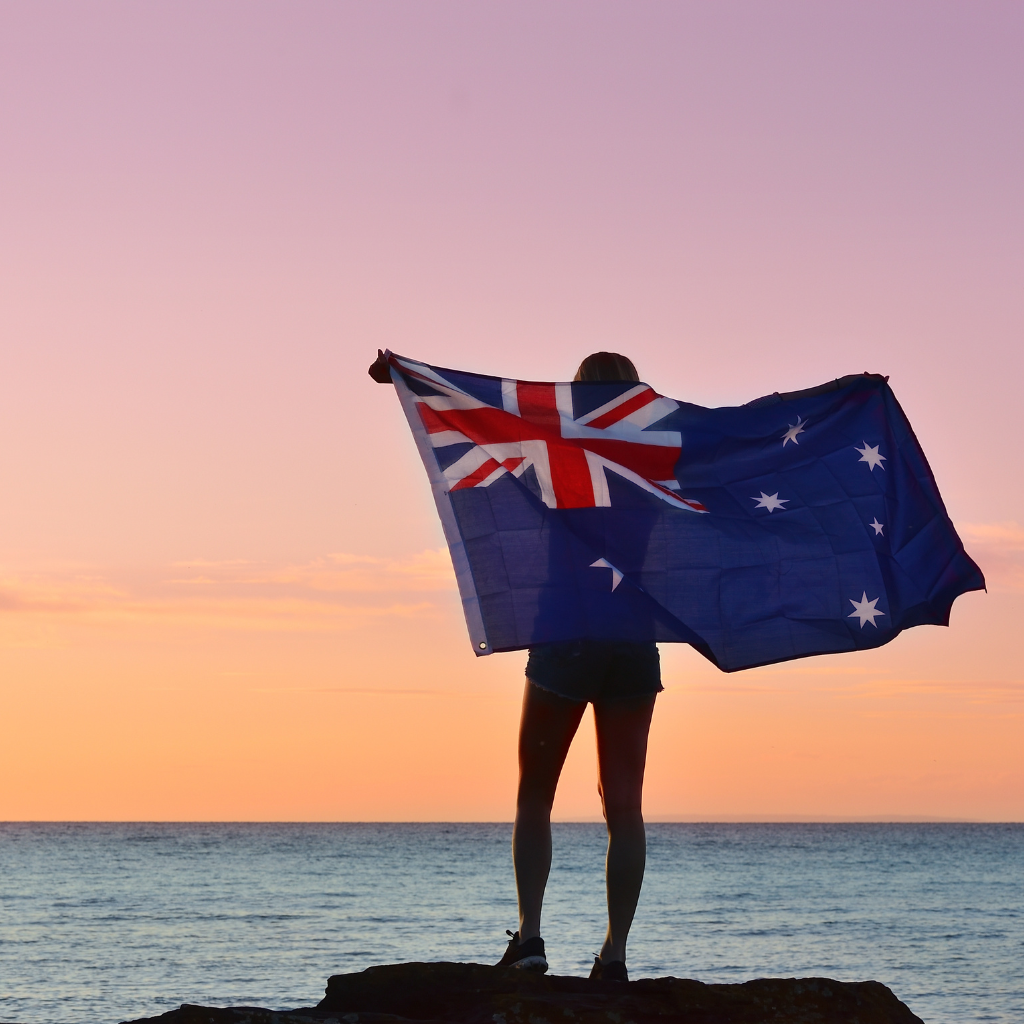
(534, 799)
(619, 801)
(623, 812)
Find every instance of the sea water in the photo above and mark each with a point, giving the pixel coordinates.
(109, 922)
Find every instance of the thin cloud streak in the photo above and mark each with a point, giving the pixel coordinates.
(882, 688)
(999, 549)
(337, 591)
(386, 692)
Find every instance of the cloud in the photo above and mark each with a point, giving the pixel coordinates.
(370, 691)
(337, 573)
(337, 591)
(45, 592)
(999, 549)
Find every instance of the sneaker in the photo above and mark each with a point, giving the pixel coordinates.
(524, 956)
(614, 970)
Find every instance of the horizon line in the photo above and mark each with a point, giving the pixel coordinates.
(593, 819)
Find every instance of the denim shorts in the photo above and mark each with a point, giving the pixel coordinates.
(592, 670)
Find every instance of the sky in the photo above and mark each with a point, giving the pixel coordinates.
(224, 592)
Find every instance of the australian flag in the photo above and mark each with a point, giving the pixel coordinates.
(799, 524)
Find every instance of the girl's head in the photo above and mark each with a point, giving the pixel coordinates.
(606, 366)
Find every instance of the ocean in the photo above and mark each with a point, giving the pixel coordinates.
(109, 922)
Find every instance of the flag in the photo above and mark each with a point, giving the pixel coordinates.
(799, 524)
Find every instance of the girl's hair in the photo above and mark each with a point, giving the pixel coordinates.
(606, 366)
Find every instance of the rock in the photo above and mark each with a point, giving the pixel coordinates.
(449, 993)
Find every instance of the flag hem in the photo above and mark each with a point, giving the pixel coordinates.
(452, 534)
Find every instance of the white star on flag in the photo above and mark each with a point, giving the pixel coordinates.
(794, 429)
(603, 563)
(865, 610)
(870, 455)
(878, 527)
(770, 501)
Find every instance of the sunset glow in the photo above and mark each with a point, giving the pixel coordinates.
(224, 592)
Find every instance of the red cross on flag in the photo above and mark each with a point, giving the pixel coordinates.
(535, 427)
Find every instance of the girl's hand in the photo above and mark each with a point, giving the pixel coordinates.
(379, 369)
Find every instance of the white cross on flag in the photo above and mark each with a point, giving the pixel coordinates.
(536, 427)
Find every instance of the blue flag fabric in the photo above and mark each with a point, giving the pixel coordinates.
(798, 524)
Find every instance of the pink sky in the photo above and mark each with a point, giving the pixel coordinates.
(222, 593)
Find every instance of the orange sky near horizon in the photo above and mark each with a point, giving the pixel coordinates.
(223, 588)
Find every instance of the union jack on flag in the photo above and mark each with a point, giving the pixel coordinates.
(536, 426)
(569, 513)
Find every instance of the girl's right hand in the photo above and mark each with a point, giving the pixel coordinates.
(379, 370)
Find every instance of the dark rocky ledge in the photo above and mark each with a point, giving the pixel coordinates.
(475, 994)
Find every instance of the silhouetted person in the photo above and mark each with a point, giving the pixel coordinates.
(622, 681)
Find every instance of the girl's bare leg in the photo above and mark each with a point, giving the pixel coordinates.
(546, 730)
(622, 730)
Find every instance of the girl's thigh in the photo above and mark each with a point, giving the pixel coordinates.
(546, 730)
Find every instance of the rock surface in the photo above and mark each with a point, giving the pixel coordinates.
(448, 993)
